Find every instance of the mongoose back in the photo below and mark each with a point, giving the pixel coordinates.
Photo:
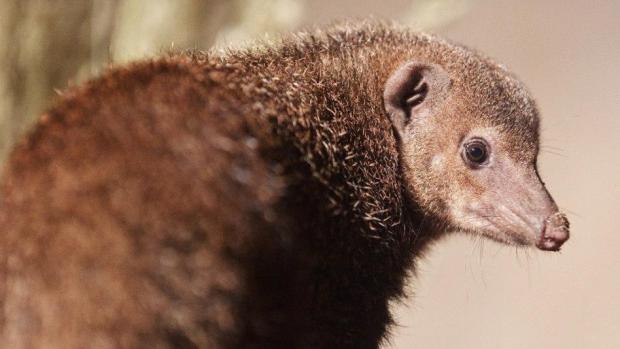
(273, 197)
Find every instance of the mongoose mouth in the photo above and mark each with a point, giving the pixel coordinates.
(555, 232)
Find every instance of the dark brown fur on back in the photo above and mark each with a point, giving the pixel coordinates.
(251, 200)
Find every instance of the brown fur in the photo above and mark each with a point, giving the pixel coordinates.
(246, 200)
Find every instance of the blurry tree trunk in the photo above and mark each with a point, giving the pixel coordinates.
(44, 44)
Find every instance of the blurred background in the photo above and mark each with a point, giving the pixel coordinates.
(468, 294)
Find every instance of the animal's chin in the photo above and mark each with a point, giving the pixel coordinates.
(515, 239)
(505, 237)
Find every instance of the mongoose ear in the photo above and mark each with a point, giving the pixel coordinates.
(414, 90)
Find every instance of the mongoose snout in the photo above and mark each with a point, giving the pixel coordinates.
(555, 232)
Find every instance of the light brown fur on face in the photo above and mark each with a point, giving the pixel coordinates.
(504, 199)
(275, 197)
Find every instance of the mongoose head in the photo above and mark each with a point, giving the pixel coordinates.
(468, 134)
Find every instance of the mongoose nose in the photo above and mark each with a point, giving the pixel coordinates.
(555, 232)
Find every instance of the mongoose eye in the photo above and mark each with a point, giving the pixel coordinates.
(476, 152)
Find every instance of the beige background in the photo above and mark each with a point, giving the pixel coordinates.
(467, 294)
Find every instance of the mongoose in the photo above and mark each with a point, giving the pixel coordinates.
(271, 197)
